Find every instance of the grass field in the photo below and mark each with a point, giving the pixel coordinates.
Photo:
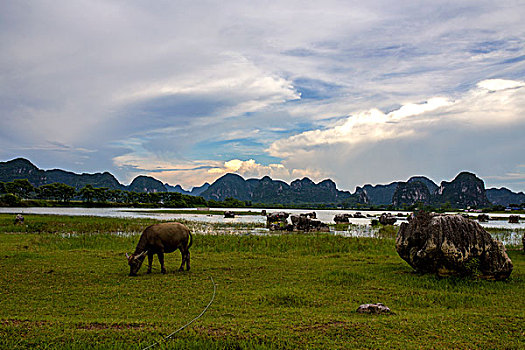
(64, 284)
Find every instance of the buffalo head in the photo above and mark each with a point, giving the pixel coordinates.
(135, 262)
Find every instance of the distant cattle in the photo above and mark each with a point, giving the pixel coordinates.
(19, 219)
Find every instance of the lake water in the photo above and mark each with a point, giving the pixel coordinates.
(360, 226)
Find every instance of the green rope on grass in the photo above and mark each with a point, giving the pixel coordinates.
(193, 320)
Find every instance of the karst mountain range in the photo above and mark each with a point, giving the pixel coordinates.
(465, 190)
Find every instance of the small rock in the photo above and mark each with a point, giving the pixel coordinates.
(483, 218)
(304, 223)
(374, 309)
(229, 214)
(311, 215)
(341, 218)
(514, 219)
(277, 221)
(387, 219)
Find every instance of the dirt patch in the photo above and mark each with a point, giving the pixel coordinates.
(23, 323)
(95, 326)
(321, 326)
(86, 326)
(215, 332)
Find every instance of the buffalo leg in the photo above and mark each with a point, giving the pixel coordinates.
(161, 260)
(188, 260)
(183, 255)
(150, 262)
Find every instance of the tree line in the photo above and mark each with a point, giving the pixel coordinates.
(14, 192)
(23, 193)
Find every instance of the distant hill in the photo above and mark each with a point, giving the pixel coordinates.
(177, 188)
(146, 184)
(504, 196)
(229, 186)
(464, 191)
(431, 185)
(410, 193)
(267, 190)
(270, 191)
(195, 191)
(21, 168)
(378, 194)
(383, 194)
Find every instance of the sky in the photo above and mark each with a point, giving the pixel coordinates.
(187, 91)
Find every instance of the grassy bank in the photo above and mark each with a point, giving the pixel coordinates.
(203, 211)
(290, 291)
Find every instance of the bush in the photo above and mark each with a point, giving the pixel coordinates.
(9, 200)
(472, 267)
(388, 231)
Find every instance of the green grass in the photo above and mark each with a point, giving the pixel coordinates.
(290, 291)
(89, 225)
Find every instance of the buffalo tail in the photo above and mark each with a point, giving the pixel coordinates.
(191, 240)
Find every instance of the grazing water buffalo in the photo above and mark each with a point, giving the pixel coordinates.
(159, 239)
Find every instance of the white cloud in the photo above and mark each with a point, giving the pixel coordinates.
(373, 146)
(500, 84)
(195, 173)
(147, 82)
(363, 127)
(413, 109)
(185, 173)
(494, 103)
(234, 78)
(250, 168)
